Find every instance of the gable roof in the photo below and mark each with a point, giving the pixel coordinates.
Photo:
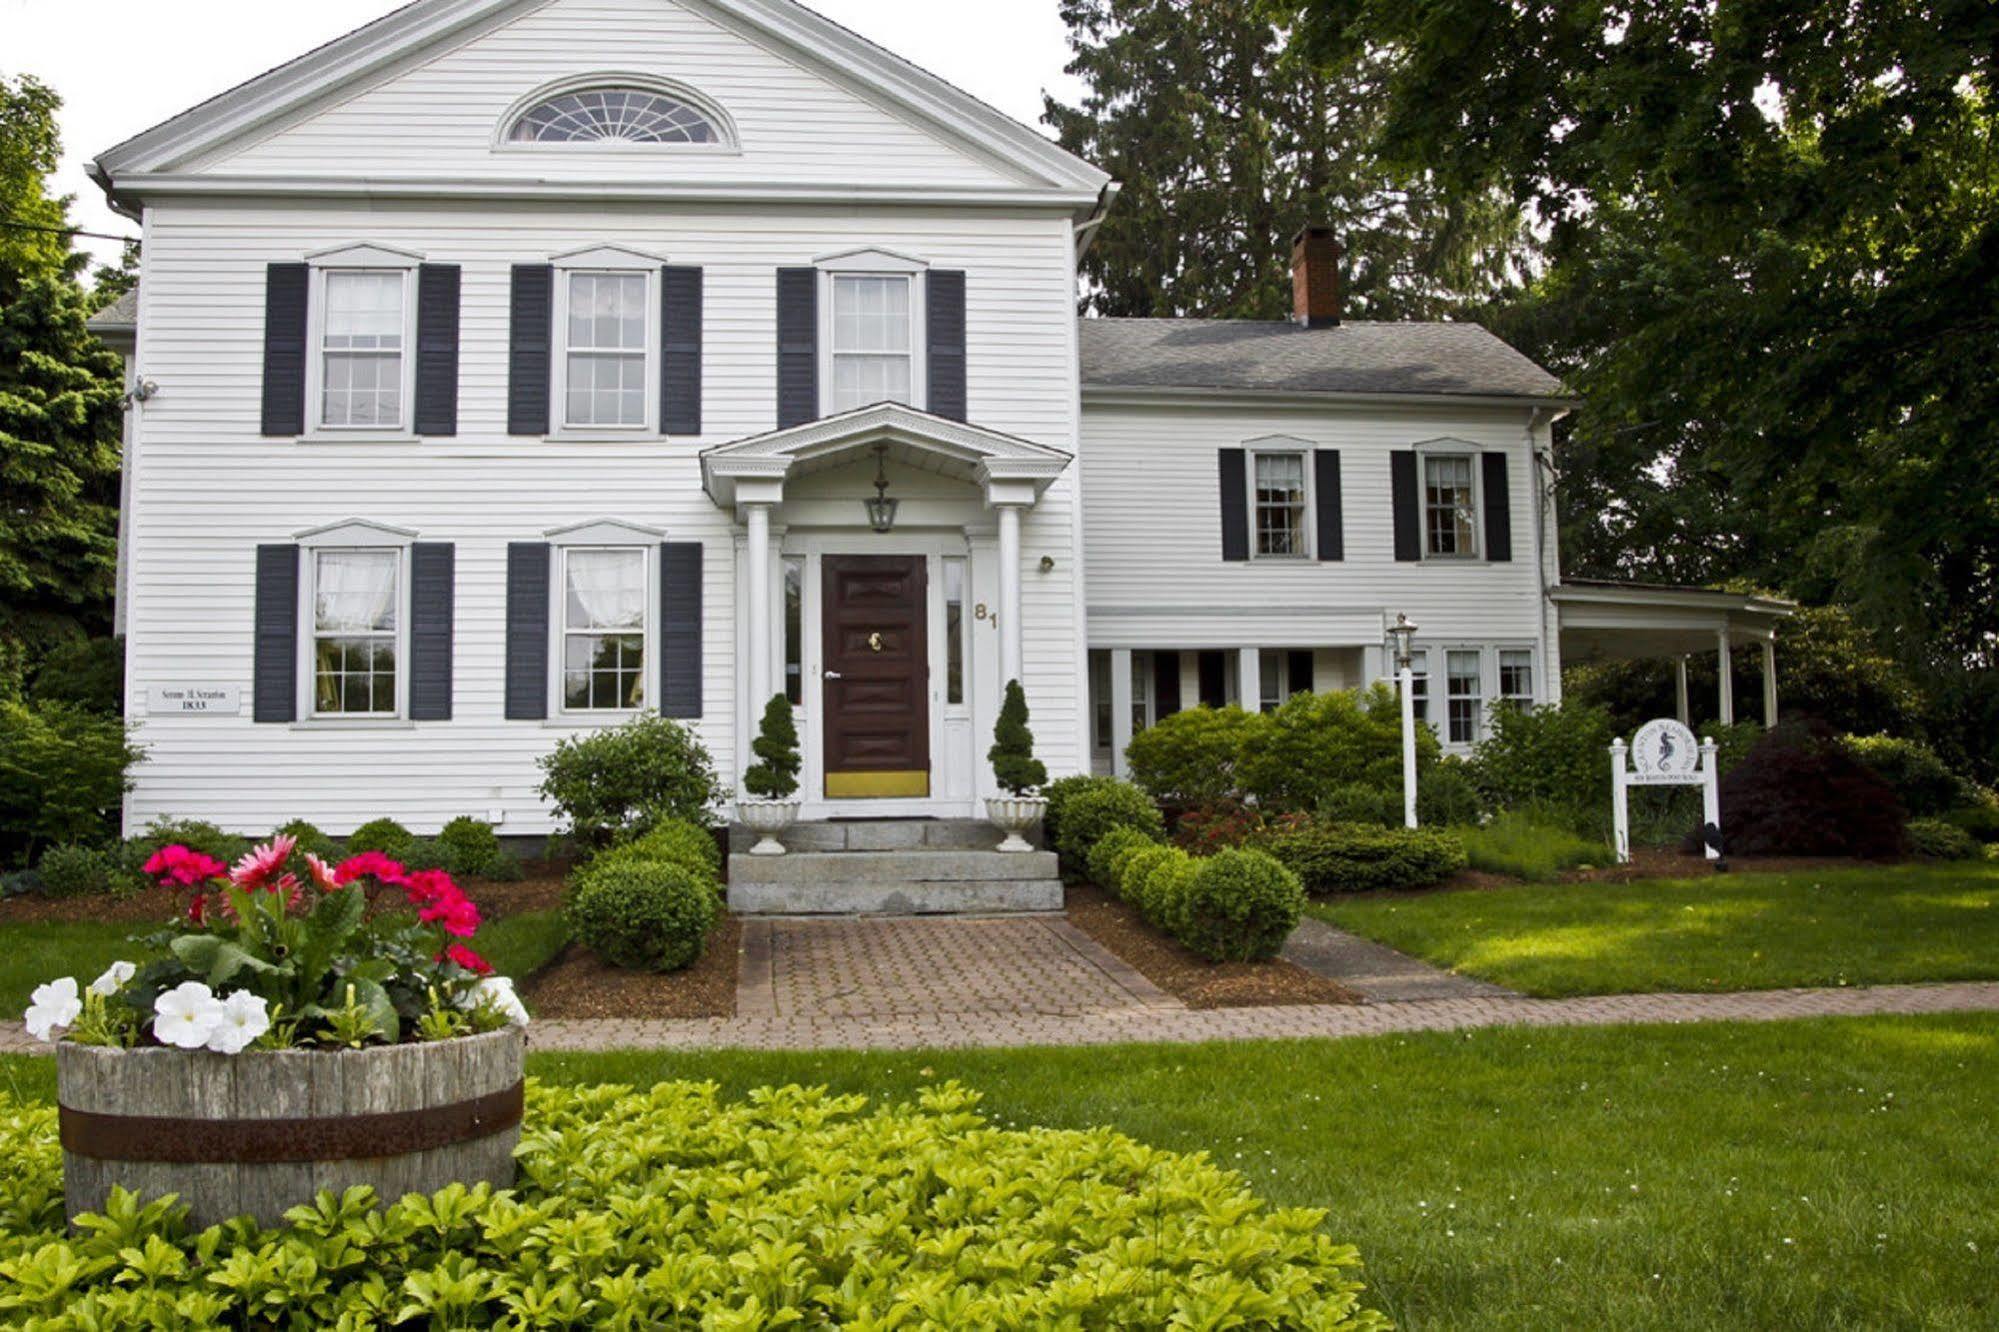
(1278, 356)
(402, 36)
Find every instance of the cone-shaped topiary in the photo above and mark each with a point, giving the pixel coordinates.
(1012, 755)
(774, 775)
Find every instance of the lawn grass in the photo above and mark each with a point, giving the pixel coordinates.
(1871, 926)
(1524, 848)
(32, 952)
(1823, 1174)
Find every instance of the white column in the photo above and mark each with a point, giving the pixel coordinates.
(1620, 811)
(1405, 681)
(1249, 679)
(1009, 573)
(1120, 710)
(757, 677)
(1682, 708)
(1725, 668)
(1769, 682)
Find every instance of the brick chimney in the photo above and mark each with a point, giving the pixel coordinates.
(1315, 277)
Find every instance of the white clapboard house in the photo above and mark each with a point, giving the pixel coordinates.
(507, 367)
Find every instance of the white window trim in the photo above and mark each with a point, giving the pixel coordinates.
(1440, 691)
(1283, 444)
(355, 534)
(730, 143)
(608, 259)
(1471, 453)
(351, 258)
(605, 534)
(1534, 694)
(876, 263)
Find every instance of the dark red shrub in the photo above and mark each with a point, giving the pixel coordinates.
(1799, 792)
(1215, 826)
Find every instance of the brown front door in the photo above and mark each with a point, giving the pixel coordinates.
(876, 698)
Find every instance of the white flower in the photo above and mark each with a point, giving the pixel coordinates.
(243, 1018)
(53, 1005)
(114, 978)
(186, 1015)
(499, 992)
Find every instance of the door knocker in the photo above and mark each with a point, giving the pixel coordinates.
(875, 641)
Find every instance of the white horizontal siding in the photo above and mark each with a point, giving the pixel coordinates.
(1152, 532)
(439, 118)
(208, 488)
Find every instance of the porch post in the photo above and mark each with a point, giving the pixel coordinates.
(1725, 668)
(1120, 710)
(1683, 710)
(757, 679)
(1770, 681)
(1249, 679)
(1009, 579)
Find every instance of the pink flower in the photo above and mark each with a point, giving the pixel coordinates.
(456, 914)
(254, 870)
(369, 865)
(467, 959)
(431, 885)
(323, 874)
(177, 864)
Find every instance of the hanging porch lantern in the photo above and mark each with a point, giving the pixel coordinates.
(881, 509)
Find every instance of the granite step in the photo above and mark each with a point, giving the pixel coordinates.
(883, 835)
(903, 882)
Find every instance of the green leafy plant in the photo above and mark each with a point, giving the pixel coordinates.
(469, 846)
(1316, 744)
(618, 782)
(1058, 793)
(1108, 803)
(790, 1207)
(774, 776)
(63, 775)
(75, 871)
(644, 915)
(1238, 906)
(675, 842)
(1928, 786)
(1551, 758)
(1525, 847)
(1192, 757)
(1934, 839)
(384, 835)
(1358, 858)
(1012, 754)
(307, 838)
(1107, 855)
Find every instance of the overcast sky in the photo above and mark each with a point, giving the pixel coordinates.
(124, 65)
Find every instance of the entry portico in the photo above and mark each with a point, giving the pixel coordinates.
(894, 626)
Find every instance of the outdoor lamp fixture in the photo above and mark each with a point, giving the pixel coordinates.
(881, 509)
(1402, 631)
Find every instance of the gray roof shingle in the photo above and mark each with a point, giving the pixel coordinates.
(122, 313)
(1280, 356)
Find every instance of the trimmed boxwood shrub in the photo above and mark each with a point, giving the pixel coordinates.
(676, 842)
(384, 835)
(78, 871)
(1107, 856)
(644, 915)
(1058, 794)
(1091, 813)
(632, 1210)
(1800, 792)
(1928, 839)
(1355, 803)
(1140, 883)
(1357, 858)
(1239, 906)
(470, 846)
(620, 781)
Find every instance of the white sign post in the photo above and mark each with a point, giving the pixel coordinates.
(1663, 753)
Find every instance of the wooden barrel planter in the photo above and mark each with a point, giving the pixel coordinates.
(262, 1131)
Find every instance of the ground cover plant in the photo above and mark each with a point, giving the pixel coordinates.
(1520, 844)
(1875, 925)
(667, 1206)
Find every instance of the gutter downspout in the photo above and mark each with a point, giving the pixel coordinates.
(1543, 467)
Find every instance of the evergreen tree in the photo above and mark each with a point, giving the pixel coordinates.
(1014, 766)
(774, 776)
(1225, 141)
(60, 407)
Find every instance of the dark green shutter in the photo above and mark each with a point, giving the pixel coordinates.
(680, 629)
(680, 351)
(437, 349)
(528, 614)
(944, 332)
(1407, 503)
(530, 333)
(1498, 507)
(274, 669)
(433, 583)
(285, 287)
(797, 346)
(1234, 465)
(1332, 541)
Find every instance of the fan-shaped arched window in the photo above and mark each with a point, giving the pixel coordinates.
(615, 115)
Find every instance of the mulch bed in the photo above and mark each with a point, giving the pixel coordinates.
(578, 985)
(1193, 980)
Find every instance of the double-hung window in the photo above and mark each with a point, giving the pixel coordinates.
(1279, 503)
(1516, 677)
(873, 345)
(1450, 527)
(606, 349)
(363, 368)
(1462, 695)
(356, 625)
(605, 593)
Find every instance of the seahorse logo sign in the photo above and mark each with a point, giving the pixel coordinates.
(1664, 747)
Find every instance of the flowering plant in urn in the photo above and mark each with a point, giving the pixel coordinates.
(285, 950)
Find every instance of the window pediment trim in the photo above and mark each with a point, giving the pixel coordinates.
(363, 255)
(870, 261)
(1280, 444)
(604, 532)
(1447, 444)
(607, 256)
(355, 532)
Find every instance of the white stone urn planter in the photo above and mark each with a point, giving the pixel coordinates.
(767, 818)
(1014, 815)
(265, 1130)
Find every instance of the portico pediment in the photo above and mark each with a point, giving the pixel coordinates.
(1008, 469)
